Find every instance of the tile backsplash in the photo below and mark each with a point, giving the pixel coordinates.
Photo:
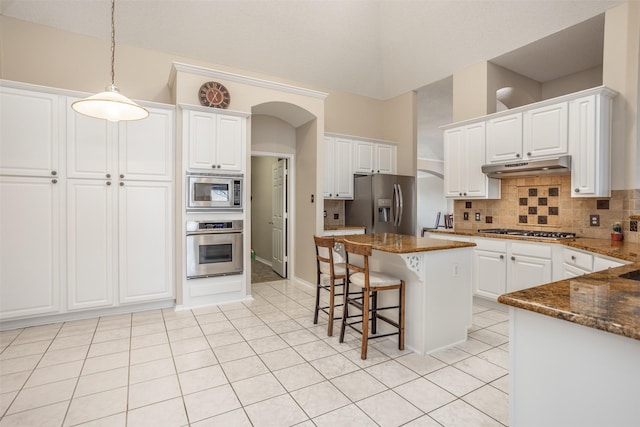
(545, 203)
(334, 208)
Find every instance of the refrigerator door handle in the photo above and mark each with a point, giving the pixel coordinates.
(396, 206)
(401, 204)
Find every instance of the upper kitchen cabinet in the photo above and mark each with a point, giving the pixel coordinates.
(374, 157)
(137, 150)
(534, 133)
(30, 133)
(464, 155)
(589, 140)
(338, 168)
(145, 147)
(215, 140)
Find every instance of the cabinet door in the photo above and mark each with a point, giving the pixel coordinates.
(146, 147)
(584, 148)
(29, 132)
(386, 158)
(526, 271)
(453, 162)
(489, 273)
(145, 256)
(545, 131)
(504, 138)
(329, 176)
(343, 172)
(229, 143)
(201, 140)
(90, 146)
(29, 246)
(475, 182)
(363, 153)
(90, 228)
(570, 271)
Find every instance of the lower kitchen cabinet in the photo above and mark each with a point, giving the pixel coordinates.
(30, 246)
(145, 251)
(529, 265)
(90, 237)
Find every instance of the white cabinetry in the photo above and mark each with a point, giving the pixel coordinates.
(464, 155)
(109, 165)
(215, 140)
(30, 132)
(338, 168)
(529, 265)
(490, 268)
(30, 246)
(589, 135)
(545, 131)
(504, 138)
(374, 157)
(577, 262)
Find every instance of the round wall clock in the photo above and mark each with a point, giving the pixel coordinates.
(213, 94)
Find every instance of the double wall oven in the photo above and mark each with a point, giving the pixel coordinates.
(214, 248)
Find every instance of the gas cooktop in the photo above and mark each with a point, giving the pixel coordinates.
(556, 235)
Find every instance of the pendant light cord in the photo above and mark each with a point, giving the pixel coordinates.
(113, 42)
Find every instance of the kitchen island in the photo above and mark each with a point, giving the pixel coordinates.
(575, 346)
(438, 285)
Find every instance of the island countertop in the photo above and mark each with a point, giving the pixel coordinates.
(403, 244)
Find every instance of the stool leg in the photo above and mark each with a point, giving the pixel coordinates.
(374, 312)
(365, 324)
(401, 316)
(332, 293)
(345, 309)
(315, 316)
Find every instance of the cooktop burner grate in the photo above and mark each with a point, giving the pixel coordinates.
(529, 233)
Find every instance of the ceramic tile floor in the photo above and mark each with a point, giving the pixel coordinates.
(260, 363)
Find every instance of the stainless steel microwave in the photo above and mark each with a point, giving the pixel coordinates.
(207, 192)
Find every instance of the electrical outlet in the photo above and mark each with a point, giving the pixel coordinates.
(594, 220)
(633, 225)
(477, 216)
(465, 216)
(336, 216)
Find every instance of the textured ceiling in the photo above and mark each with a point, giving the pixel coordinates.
(373, 48)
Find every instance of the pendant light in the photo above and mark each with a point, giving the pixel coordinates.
(111, 104)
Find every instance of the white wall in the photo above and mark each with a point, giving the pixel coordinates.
(261, 206)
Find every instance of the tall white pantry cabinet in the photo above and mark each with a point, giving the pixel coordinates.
(85, 207)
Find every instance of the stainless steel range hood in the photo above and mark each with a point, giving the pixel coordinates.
(556, 166)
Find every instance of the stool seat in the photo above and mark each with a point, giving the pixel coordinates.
(339, 269)
(376, 279)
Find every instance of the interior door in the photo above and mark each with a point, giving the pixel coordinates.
(279, 217)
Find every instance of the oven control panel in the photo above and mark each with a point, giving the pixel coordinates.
(199, 227)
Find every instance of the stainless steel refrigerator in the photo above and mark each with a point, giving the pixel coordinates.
(383, 204)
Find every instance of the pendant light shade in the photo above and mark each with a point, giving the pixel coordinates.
(111, 104)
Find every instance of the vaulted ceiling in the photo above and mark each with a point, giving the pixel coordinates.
(378, 49)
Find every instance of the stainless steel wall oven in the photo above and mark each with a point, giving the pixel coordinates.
(214, 248)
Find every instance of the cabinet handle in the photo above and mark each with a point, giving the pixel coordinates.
(54, 181)
(465, 194)
(501, 256)
(459, 194)
(529, 153)
(213, 166)
(108, 182)
(372, 171)
(378, 170)
(513, 258)
(108, 175)
(573, 257)
(121, 175)
(54, 173)
(577, 190)
(122, 184)
(518, 155)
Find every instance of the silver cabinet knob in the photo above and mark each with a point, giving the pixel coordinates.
(513, 258)
(577, 190)
(54, 173)
(501, 256)
(529, 153)
(54, 181)
(108, 182)
(122, 184)
(108, 175)
(213, 166)
(518, 155)
(121, 175)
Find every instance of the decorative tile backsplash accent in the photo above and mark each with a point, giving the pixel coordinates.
(559, 210)
(536, 205)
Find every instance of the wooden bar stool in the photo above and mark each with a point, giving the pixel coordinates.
(328, 273)
(370, 283)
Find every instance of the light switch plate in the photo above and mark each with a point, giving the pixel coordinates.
(477, 216)
(594, 220)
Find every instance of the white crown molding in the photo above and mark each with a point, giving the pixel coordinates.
(252, 81)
